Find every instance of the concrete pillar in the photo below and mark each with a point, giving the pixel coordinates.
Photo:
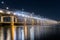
(1, 18)
(32, 30)
(12, 32)
(12, 27)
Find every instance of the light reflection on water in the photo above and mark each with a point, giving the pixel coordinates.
(38, 31)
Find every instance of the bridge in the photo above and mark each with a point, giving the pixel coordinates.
(10, 20)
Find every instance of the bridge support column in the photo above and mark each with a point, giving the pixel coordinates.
(25, 30)
(32, 30)
(12, 28)
(38, 28)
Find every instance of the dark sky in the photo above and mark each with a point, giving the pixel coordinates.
(46, 8)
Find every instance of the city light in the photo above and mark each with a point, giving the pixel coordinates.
(8, 12)
(26, 19)
(2, 2)
(1, 11)
(7, 7)
(33, 16)
(30, 15)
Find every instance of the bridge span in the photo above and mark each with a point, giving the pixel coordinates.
(10, 21)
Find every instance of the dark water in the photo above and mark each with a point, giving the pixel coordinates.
(46, 33)
(54, 34)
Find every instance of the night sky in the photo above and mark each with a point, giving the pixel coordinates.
(48, 9)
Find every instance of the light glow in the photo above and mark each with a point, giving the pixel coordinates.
(8, 12)
(30, 15)
(1, 11)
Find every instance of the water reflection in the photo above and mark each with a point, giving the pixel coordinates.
(36, 32)
(19, 33)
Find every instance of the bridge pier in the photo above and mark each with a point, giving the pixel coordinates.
(25, 29)
(12, 28)
(32, 30)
